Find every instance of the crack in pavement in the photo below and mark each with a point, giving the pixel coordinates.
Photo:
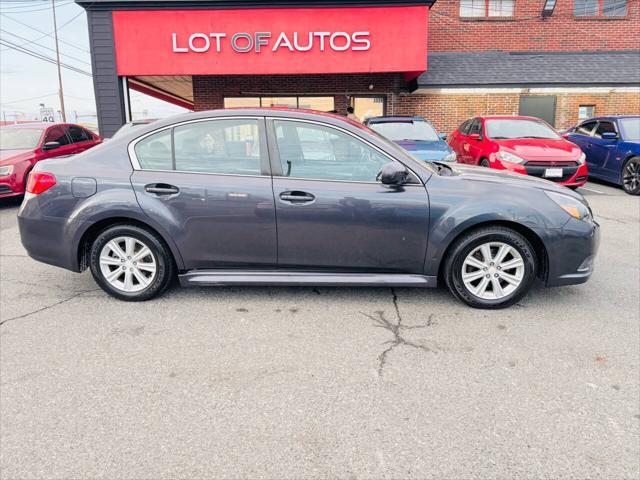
(47, 307)
(396, 329)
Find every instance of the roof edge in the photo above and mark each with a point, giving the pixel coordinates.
(248, 4)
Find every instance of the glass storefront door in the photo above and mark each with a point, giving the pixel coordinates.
(368, 106)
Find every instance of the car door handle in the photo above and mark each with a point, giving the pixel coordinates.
(161, 189)
(297, 197)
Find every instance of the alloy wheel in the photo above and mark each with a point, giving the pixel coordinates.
(127, 264)
(493, 270)
(631, 176)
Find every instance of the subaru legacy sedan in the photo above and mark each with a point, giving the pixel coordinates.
(286, 197)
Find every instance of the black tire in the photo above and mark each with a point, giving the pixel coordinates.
(471, 240)
(485, 163)
(631, 169)
(165, 270)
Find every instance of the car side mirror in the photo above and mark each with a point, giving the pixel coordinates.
(393, 173)
(565, 135)
(50, 145)
(442, 136)
(609, 136)
(475, 136)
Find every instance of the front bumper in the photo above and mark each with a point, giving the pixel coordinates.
(573, 173)
(571, 253)
(8, 187)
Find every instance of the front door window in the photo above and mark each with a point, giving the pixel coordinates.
(313, 151)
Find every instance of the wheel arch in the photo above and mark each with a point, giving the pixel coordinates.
(87, 237)
(531, 236)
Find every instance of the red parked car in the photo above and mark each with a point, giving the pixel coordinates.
(23, 145)
(524, 145)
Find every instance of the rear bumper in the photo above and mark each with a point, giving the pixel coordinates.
(572, 253)
(48, 239)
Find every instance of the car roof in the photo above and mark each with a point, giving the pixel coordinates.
(394, 118)
(507, 117)
(609, 117)
(41, 125)
(289, 113)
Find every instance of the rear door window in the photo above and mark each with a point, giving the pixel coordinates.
(218, 146)
(77, 134)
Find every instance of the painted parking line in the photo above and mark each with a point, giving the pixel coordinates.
(593, 190)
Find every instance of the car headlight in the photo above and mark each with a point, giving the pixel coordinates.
(450, 157)
(508, 157)
(582, 158)
(573, 207)
(6, 170)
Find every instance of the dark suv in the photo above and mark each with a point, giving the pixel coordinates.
(286, 197)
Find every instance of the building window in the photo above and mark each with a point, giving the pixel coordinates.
(599, 8)
(586, 111)
(486, 8)
(323, 104)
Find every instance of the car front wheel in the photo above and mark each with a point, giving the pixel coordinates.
(631, 176)
(491, 267)
(131, 263)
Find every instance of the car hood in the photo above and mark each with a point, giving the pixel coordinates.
(8, 157)
(504, 177)
(428, 150)
(541, 148)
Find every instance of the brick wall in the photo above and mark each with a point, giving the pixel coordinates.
(527, 31)
(209, 91)
(448, 111)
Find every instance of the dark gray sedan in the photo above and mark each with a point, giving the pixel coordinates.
(286, 197)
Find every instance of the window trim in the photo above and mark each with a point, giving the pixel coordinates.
(276, 164)
(600, 12)
(264, 154)
(486, 15)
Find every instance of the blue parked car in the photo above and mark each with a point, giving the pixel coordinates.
(415, 135)
(612, 147)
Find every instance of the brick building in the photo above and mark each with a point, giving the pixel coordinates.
(447, 60)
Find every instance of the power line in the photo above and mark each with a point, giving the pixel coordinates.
(45, 34)
(41, 56)
(28, 99)
(17, 9)
(42, 46)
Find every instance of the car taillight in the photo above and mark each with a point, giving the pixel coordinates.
(40, 182)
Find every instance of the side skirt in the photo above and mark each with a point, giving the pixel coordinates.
(221, 278)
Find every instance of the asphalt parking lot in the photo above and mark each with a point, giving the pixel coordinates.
(322, 383)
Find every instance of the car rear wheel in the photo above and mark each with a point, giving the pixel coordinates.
(631, 176)
(131, 263)
(492, 267)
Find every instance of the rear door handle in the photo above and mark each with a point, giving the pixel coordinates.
(161, 189)
(297, 197)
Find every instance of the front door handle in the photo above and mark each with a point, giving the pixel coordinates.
(161, 189)
(297, 197)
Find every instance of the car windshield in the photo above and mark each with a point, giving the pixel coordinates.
(19, 138)
(630, 129)
(406, 130)
(519, 128)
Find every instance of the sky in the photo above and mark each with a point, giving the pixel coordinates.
(26, 81)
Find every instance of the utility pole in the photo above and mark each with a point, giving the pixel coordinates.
(55, 32)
